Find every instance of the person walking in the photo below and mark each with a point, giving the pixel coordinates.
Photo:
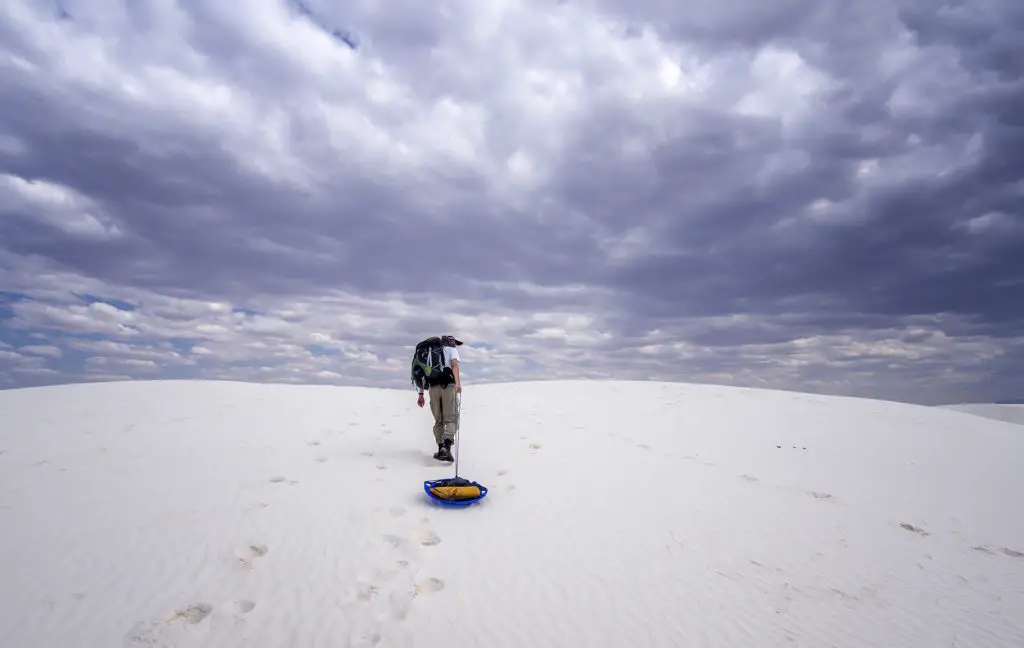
(442, 356)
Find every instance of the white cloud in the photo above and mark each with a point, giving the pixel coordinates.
(57, 206)
(47, 350)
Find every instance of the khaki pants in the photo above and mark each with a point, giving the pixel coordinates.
(446, 416)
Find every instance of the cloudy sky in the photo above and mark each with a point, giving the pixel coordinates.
(803, 194)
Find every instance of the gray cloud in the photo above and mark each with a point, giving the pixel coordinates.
(822, 196)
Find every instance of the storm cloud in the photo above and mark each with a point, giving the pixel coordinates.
(818, 196)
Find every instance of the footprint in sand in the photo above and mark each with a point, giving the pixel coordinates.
(191, 615)
(232, 612)
(167, 631)
(364, 640)
(429, 586)
(424, 534)
(321, 459)
(1012, 553)
(428, 538)
(400, 601)
(314, 442)
(279, 479)
(240, 607)
(249, 553)
(913, 529)
(534, 447)
(382, 466)
(820, 495)
(366, 591)
(369, 584)
(392, 540)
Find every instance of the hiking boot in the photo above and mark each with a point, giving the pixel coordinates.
(444, 451)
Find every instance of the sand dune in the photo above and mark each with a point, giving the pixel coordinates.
(620, 514)
(1007, 413)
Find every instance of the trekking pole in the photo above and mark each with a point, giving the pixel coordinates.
(458, 430)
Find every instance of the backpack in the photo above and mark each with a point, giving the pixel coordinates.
(429, 368)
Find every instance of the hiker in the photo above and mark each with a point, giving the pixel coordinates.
(440, 355)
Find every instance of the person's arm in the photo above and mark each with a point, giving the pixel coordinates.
(458, 378)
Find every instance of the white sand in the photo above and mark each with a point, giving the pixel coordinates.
(620, 515)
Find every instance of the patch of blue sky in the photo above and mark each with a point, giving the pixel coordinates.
(318, 350)
(116, 303)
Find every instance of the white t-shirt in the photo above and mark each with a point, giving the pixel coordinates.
(450, 353)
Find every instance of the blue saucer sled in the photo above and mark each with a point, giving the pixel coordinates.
(454, 491)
